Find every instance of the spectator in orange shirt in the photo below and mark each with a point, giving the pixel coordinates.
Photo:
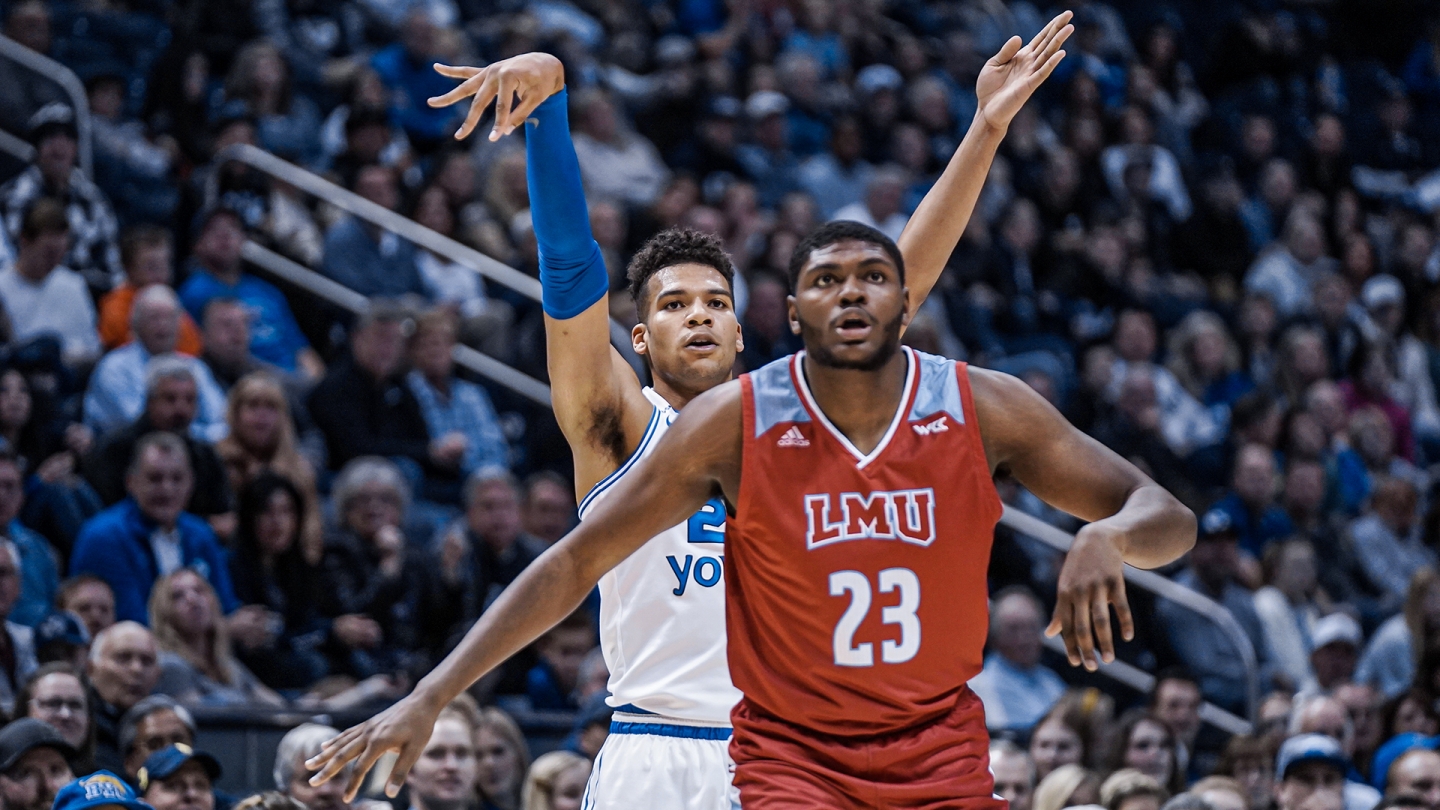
(146, 252)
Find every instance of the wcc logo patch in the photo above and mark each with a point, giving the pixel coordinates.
(931, 428)
(907, 515)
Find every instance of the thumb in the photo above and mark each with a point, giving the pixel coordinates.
(1007, 51)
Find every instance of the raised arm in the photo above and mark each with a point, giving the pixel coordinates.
(1132, 519)
(597, 397)
(1006, 82)
(699, 455)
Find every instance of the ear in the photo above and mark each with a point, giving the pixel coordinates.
(909, 308)
(793, 314)
(640, 339)
(739, 337)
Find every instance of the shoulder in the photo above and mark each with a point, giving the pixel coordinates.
(194, 528)
(69, 281)
(106, 523)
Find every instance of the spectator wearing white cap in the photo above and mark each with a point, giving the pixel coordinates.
(1383, 297)
(1336, 643)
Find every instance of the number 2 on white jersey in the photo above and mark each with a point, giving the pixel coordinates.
(850, 654)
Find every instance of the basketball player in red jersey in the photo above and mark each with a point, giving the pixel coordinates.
(858, 475)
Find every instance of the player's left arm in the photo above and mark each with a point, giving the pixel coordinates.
(1006, 82)
(1132, 519)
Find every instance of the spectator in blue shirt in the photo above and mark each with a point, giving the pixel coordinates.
(405, 68)
(452, 406)
(148, 535)
(551, 683)
(1015, 687)
(215, 272)
(367, 259)
(1251, 508)
(39, 579)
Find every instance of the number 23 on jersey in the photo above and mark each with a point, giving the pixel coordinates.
(850, 654)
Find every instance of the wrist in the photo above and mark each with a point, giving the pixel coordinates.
(986, 127)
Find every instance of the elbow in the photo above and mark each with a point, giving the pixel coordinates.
(1185, 527)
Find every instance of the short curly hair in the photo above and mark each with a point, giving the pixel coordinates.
(669, 248)
(842, 230)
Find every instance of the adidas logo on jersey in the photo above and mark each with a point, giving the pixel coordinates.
(793, 438)
(938, 426)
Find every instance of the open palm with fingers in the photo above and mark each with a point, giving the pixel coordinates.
(404, 728)
(1011, 76)
(517, 86)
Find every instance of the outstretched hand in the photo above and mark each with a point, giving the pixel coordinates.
(404, 728)
(1091, 580)
(1011, 76)
(517, 86)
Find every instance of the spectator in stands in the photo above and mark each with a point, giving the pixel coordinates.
(1323, 715)
(56, 695)
(555, 781)
(292, 777)
(179, 778)
(227, 343)
(150, 726)
(839, 176)
(881, 207)
(1015, 687)
(274, 574)
(115, 396)
(616, 162)
(768, 160)
(171, 403)
(1130, 789)
(17, 642)
(382, 588)
(1203, 647)
(404, 67)
(93, 249)
(1176, 702)
(147, 254)
(1287, 271)
(1060, 738)
(1250, 508)
(1371, 379)
(1389, 662)
(47, 444)
(262, 439)
(29, 24)
(1014, 774)
(443, 778)
(61, 638)
(123, 669)
(149, 535)
(90, 598)
(548, 511)
(197, 663)
(1337, 639)
(1362, 703)
(364, 407)
(1066, 786)
(455, 410)
(43, 297)
(216, 272)
(1221, 793)
(34, 764)
(551, 683)
(1144, 742)
(1287, 609)
(365, 257)
(1386, 543)
(35, 576)
(483, 321)
(501, 759)
(1415, 773)
(482, 555)
(288, 123)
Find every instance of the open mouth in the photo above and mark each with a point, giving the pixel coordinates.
(702, 343)
(854, 326)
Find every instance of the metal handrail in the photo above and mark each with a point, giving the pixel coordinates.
(69, 82)
(1162, 587)
(351, 301)
(404, 227)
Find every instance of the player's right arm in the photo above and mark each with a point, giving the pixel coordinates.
(698, 456)
(596, 396)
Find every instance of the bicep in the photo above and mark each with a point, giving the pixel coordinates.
(1061, 465)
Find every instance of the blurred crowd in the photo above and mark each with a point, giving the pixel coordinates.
(1211, 240)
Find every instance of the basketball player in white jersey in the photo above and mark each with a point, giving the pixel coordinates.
(662, 611)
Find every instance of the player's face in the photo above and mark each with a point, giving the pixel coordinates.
(690, 333)
(849, 306)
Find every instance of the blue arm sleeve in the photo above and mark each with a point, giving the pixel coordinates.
(572, 271)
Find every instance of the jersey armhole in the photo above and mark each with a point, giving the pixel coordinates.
(609, 480)
(967, 401)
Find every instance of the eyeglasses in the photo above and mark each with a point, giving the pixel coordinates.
(56, 705)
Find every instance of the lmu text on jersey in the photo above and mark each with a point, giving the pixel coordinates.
(905, 514)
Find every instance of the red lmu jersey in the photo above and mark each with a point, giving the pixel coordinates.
(856, 599)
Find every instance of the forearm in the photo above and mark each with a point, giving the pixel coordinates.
(572, 272)
(1153, 528)
(935, 227)
(545, 593)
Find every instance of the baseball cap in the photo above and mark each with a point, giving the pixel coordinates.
(1309, 748)
(1381, 290)
(765, 103)
(1337, 627)
(1392, 750)
(164, 763)
(49, 119)
(99, 789)
(61, 627)
(25, 735)
(1216, 523)
(875, 78)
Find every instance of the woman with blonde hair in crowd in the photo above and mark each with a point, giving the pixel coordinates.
(1066, 786)
(1145, 743)
(1129, 789)
(1393, 656)
(556, 782)
(262, 437)
(502, 759)
(1068, 734)
(197, 664)
(1205, 359)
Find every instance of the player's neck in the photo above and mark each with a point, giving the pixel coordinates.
(860, 404)
(677, 396)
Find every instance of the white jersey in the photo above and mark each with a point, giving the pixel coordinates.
(662, 610)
